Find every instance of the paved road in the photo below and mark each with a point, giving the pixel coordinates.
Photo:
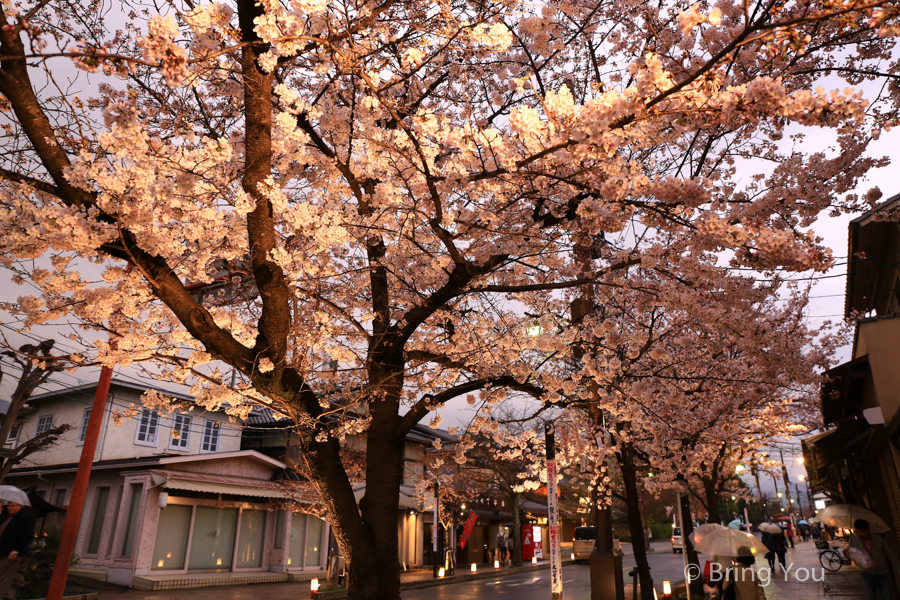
(536, 585)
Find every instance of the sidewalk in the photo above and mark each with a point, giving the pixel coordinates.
(804, 569)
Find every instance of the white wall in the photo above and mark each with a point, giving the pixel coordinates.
(117, 437)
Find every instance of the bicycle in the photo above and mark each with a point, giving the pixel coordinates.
(831, 559)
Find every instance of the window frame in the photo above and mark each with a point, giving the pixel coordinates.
(184, 433)
(13, 436)
(214, 426)
(85, 419)
(65, 493)
(137, 430)
(49, 424)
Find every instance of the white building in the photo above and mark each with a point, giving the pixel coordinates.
(173, 501)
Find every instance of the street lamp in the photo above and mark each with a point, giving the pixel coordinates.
(799, 460)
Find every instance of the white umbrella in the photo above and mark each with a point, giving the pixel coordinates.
(769, 528)
(727, 542)
(843, 515)
(702, 531)
(9, 493)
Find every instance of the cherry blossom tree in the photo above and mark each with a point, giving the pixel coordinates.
(285, 186)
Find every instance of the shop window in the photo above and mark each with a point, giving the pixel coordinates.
(170, 550)
(134, 510)
(97, 522)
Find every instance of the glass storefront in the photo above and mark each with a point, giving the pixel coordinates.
(305, 549)
(170, 550)
(207, 538)
(250, 539)
(212, 545)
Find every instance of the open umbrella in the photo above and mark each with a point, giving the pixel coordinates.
(9, 493)
(843, 515)
(702, 531)
(727, 542)
(769, 528)
(736, 524)
(802, 522)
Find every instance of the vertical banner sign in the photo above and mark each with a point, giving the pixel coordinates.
(434, 528)
(553, 520)
(467, 530)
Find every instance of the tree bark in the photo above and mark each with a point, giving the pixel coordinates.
(687, 528)
(711, 492)
(516, 558)
(635, 522)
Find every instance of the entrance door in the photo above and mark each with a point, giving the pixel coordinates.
(212, 543)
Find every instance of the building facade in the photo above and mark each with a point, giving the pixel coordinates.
(173, 499)
(856, 458)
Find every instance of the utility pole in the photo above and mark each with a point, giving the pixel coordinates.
(762, 499)
(82, 477)
(787, 484)
(799, 504)
(556, 584)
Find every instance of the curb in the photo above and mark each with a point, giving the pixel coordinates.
(426, 583)
(90, 596)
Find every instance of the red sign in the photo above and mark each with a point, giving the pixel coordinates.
(467, 531)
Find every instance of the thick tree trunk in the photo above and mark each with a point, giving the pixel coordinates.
(635, 522)
(693, 559)
(517, 530)
(712, 501)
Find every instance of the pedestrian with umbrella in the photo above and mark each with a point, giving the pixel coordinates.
(777, 545)
(742, 581)
(768, 529)
(874, 559)
(16, 535)
(743, 548)
(790, 533)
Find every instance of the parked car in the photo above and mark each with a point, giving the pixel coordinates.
(676, 540)
(584, 540)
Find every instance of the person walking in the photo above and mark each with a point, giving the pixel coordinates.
(790, 533)
(778, 546)
(16, 535)
(742, 579)
(510, 546)
(875, 560)
(501, 546)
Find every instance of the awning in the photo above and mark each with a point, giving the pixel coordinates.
(213, 484)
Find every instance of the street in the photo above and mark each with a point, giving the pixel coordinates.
(535, 585)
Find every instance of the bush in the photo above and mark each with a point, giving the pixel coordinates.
(661, 531)
(34, 579)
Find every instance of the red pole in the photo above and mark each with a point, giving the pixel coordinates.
(76, 504)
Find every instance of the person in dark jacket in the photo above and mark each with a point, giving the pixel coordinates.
(777, 544)
(875, 576)
(16, 535)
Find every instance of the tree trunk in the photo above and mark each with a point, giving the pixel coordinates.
(516, 558)
(687, 528)
(712, 501)
(635, 522)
